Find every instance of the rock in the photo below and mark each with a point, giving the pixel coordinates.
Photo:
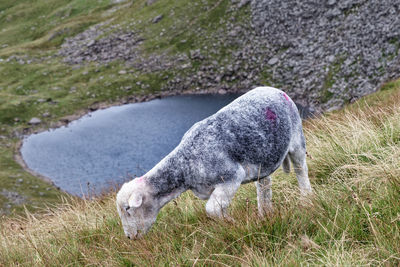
(91, 43)
(273, 61)
(157, 19)
(331, 2)
(150, 2)
(13, 197)
(221, 91)
(297, 44)
(195, 54)
(331, 59)
(122, 72)
(46, 114)
(242, 3)
(35, 121)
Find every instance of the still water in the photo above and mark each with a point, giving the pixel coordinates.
(110, 146)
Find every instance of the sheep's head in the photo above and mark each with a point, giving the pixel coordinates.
(136, 208)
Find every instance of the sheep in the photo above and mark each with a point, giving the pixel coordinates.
(243, 142)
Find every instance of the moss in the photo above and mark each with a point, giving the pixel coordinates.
(330, 77)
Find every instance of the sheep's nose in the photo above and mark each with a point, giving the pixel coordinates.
(128, 236)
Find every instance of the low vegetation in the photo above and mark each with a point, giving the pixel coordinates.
(35, 82)
(352, 220)
(354, 158)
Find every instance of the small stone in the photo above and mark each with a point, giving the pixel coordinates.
(41, 194)
(157, 19)
(122, 72)
(185, 66)
(331, 59)
(35, 121)
(195, 54)
(46, 114)
(91, 43)
(331, 2)
(150, 2)
(273, 61)
(20, 180)
(243, 3)
(221, 91)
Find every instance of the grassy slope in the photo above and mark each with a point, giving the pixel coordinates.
(353, 219)
(34, 30)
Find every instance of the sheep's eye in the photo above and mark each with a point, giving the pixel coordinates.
(126, 209)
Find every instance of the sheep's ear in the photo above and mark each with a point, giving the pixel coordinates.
(135, 200)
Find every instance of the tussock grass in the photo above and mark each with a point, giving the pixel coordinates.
(352, 220)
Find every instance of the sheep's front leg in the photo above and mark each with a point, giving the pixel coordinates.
(220, 199)
(264, 195)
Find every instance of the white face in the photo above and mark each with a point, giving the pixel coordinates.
(135, 208)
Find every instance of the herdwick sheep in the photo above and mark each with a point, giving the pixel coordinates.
(243, 142)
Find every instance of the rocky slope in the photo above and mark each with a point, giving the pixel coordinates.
(324, 53)
(331, 51)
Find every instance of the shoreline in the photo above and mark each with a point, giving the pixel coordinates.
(64, 121)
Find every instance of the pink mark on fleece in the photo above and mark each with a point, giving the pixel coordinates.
(140, 179)
(270, 115)
(286, 97)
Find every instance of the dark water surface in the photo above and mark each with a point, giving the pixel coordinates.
(109, 146)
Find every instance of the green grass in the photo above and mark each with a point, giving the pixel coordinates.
(37, 83)
(353, 219)
(26, 23)
(326, 95)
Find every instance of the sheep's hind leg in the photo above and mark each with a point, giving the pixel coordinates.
(298, 158)
(264, 195)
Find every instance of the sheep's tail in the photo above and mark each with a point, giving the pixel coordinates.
(286, 164)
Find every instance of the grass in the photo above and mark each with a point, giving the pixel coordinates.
(33, 81)
(353, 218)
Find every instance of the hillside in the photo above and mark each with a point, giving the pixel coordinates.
(352, 220)
(38, 81)
(60, 59)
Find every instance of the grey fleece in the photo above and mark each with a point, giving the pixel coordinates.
(257, 129)
(245, 141)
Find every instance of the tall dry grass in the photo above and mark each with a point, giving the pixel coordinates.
(352, 220)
